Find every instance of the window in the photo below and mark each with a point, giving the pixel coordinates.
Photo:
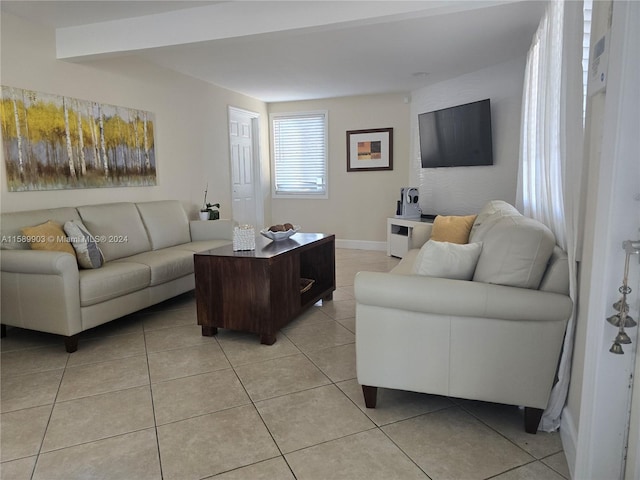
(299, 155)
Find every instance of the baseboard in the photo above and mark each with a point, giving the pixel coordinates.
(569, 437)
(361, 245)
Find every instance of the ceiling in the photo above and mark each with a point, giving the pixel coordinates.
(295, 50)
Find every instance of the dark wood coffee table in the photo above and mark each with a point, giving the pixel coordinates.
(260, 290)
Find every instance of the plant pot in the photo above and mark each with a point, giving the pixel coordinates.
(204, 215)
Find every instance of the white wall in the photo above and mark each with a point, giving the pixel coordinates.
(359, 202)
(191, 119)
(464, 190)
(191, 136)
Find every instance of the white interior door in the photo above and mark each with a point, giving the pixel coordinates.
(244, 166)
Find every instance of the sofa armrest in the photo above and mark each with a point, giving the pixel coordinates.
(420, 234)
(38, 261)
(41, 291)
(211, 230)
(443, 296)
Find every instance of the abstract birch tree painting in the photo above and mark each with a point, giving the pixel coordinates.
(53, 142)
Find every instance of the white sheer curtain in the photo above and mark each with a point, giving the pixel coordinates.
(551, 152)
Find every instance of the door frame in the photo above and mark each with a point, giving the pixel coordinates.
(256, 161)
(606, 397)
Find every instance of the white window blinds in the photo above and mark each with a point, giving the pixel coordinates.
(300, 154)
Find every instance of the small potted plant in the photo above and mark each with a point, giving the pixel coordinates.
(207, 211)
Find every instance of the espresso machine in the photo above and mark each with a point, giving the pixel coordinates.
(408, 204)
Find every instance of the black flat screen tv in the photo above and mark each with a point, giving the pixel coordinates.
(457, 136)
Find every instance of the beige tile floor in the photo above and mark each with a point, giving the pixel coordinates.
(148, 397)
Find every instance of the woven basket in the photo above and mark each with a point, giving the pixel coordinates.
(244, 238)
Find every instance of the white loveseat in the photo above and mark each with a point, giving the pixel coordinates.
(148, 258)
(482, 339)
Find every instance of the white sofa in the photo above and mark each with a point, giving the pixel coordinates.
(481, 339)
(148, 258)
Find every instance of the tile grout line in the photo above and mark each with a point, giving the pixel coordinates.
(404, 453)
(477, 417)
(88, 442)
(324, 442)
(253, 404)
(510, 469)
(153, 406)
(535, 460)
(549, 466)
(53, 406)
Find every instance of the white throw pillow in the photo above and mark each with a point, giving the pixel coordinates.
(490, 214)
(88, 253)
(447, 260)
(515, 252)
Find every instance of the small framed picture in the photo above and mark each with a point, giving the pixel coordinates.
(370, 150)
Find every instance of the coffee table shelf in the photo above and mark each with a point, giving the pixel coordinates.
(259, 290)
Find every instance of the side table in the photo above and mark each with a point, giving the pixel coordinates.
(403, 234)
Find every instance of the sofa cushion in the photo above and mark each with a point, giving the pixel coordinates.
(87, 251)
(48, 236)
(165, 265)
(556, 276)
(117, 227)
(489, 216)
(113, 280)
(453, 229)
(166, 223)
(515, 252)
(447, 260)
(202, 245)
(12, 223)
(405, 267)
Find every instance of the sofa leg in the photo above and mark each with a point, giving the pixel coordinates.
(532, 418)
(3, 330)
(370, 396)
(71, 343)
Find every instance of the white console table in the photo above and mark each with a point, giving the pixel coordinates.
(403, 234)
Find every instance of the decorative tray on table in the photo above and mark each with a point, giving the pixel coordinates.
(279, 234)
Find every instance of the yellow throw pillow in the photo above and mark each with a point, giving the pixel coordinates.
(48, 236)
(452, 229)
